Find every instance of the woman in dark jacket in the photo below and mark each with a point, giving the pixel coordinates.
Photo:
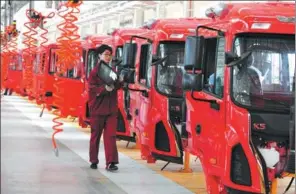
(103, 113)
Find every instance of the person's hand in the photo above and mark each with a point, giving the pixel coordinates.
(121, 77)
(109, 88)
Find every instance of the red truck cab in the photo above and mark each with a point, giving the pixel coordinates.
(240, 71)
(14, 72)
(125, 126)
(156, 97)
(19, 77)
(67, 86)
(43, 71)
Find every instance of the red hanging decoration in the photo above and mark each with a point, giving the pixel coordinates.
(69, 51)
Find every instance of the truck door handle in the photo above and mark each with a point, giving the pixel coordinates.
(215, 105)
(198, 129)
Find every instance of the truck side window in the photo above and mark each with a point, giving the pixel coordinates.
(71, 73)
(92, 60)
(84, 56)
(118, 53)
(19, 63)
(36, 64)
(74, 73)
(42, 63)
(52, 66)
(145, 58)
(214, 66)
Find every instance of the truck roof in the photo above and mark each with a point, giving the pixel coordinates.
(93, 40)
(260, 17)
(173, 29)
(120, 36)
(263, 9)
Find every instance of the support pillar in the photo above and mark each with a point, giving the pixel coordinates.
(188, 8)
(186, 168)
(5, 13)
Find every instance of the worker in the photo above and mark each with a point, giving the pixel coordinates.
(103, 113)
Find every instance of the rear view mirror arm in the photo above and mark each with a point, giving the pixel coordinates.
(241, 59)
(118, 63)
(159, 61)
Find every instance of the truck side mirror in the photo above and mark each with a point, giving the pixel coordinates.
(159, 61)
(129, 55)
(194, 52)
(192, 82)
(230, 57)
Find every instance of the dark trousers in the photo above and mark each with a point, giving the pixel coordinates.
(8, 90)
(107, 124)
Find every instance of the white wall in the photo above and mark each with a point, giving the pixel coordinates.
(200, 7)
(174, 10)
(149, 14)
(131, 18)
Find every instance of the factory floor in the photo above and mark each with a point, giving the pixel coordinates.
(29, 165)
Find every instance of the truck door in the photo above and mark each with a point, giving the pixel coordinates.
(210, 116)
(91, 59)
(123, 99)
(40, 75)
(169, 100)
(144, 80)
(75, 86)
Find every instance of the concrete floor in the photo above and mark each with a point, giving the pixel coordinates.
(28, 163)
(30, 166)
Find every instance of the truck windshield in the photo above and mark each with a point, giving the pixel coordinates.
(170, 72)
(92, 60)
(265, 79)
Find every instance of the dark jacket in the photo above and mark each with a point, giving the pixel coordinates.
(101, 102)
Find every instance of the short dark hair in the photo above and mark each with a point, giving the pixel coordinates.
(102, 48)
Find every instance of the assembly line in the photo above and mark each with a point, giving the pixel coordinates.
(219, 89)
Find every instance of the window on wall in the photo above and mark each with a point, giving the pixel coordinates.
(145, 65)
(214, 65)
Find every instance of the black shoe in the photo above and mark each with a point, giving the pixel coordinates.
(94, 166)
(111, 167)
